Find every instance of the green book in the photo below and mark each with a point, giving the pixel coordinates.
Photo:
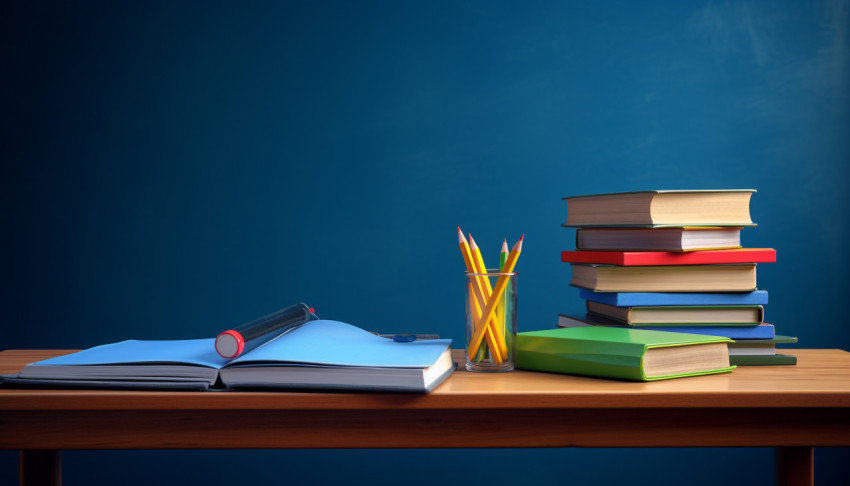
(629, 354)
(765, 360)
(758, 352)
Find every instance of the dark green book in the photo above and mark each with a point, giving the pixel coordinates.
(777, 339)
(763, 360)
(763, 350)
(628, 354)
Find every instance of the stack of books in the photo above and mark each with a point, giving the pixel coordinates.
(672, 261)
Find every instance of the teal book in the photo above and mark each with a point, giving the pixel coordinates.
(767, 360)
(758, 347)
(627, 354)
(319, 354)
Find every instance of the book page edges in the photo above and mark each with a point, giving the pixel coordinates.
(701, 208)
(709, 341)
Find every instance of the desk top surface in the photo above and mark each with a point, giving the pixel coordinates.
(821, 379)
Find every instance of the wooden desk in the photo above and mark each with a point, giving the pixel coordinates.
(792, 408)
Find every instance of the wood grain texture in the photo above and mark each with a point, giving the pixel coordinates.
(821, 379)
(807, 405)
(423, 429)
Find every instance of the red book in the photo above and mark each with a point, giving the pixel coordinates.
(629, 258)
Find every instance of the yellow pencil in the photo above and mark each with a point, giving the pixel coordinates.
(478, 265)
(478, 303)
(480, 327)
(496, 296)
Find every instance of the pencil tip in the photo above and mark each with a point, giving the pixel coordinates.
(518, 244)
(460, 237)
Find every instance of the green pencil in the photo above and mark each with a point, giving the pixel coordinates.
(504, 307)
(503, 257)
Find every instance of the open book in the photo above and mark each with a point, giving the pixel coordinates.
(319, 354)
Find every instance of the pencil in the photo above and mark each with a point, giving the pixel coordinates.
(502, 310)
(498, 290)
(479, 303)
(478, 265)
(480, 327)
(503, 256)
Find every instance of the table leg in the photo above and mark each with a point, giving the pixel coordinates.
(795, 466)
(41, 468)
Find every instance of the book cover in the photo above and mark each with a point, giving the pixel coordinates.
(631, 258)
(772, 360)
(621, 353)
(762, 331)
(637, 299)
(318, 354)
(658, 191)
(778, 339)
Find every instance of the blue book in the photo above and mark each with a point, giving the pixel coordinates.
(762, 331)
(319, 354)
(641, 299)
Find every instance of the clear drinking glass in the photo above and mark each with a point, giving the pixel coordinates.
(490, 343)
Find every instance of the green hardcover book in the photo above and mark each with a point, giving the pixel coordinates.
(629, 354)
(765, 360)
(759, 347)
(777, 339)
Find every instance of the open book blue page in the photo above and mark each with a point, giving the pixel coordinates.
(335, 343)
(199, 352)
(316, 355)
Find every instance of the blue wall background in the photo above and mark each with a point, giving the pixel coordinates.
(174, 168)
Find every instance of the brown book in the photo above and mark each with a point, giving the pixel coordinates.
(665, 278)
(716, 315)
(661, 208)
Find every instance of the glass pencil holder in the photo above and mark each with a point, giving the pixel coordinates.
(490, 321)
